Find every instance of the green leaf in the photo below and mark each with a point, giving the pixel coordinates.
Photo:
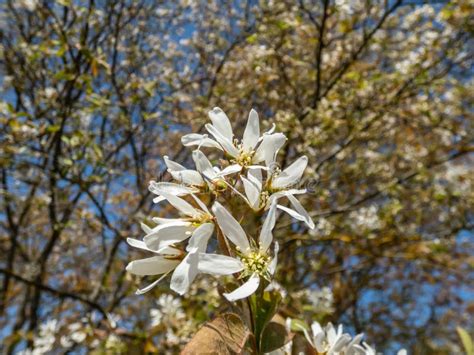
(274, 337)
(263, 310)
(466, 341)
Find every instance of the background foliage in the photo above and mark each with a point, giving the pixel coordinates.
(378, 94)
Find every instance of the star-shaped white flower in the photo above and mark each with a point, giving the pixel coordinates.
(253, 262)
(328, 340)
(205, 177)
(260, 195)
(197, 225)
(251, 150)
(166, 260)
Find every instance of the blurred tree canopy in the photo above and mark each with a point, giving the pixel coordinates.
(378, 94)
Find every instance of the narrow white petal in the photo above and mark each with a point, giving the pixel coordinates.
(161, 220)
(142, 245)
(226, 143)
(300, 209)
(231, 169)
(188, 177)
(230, 227)
(292, 174)
(180, 204)
(249, 287)
(166, 234)
(252, 192)
(201, 204)
(150, 286)
(200, 237)
(274, 262)
(145, 228)
(266, 236)
(306, 334)
(185, 273)
(292, 213)
(158, 199)
(203, 165)
(172, 165)
(271, 130)
(269, 147)
(221, 122)
(252, 131)
(151, 266)
(217, 264)
(255, 176)
(201, 140)
(169, 187)
(137, 244)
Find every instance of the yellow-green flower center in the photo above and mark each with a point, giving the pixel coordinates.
(245, 157)
(256, 262)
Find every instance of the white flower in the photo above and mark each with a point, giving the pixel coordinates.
(165, 261)
(329, 341)
(169, 309)
(197, 226)
(253, 149)
(254, 262)
(205, 177)
(260, 195)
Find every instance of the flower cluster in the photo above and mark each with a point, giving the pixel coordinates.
(244, 189)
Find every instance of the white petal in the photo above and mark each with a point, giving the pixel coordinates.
(217, 264)
(151, 266)
(172, 165)
(292, 213)
(266, 236)
(169, 187)
(255, 176)
(270, 131)
(252, 192)
(185, 273)
(180, 204)
(269, 147)
(252, 131)
(221, 122)
(150, 286)
(306, 334)
(316, 328)
(201, 204)
(341, 342)
(142, 245)
(200, 237)
(145, 228)
(201, 140)
(231, 169)
(188, 177)
(159, 199)
(249, 287)
(226, 143)
(300, 209)
(230, 227)
(161, 220)
(292, 174)
(167, 234)
(274, 262)
(203, 165)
